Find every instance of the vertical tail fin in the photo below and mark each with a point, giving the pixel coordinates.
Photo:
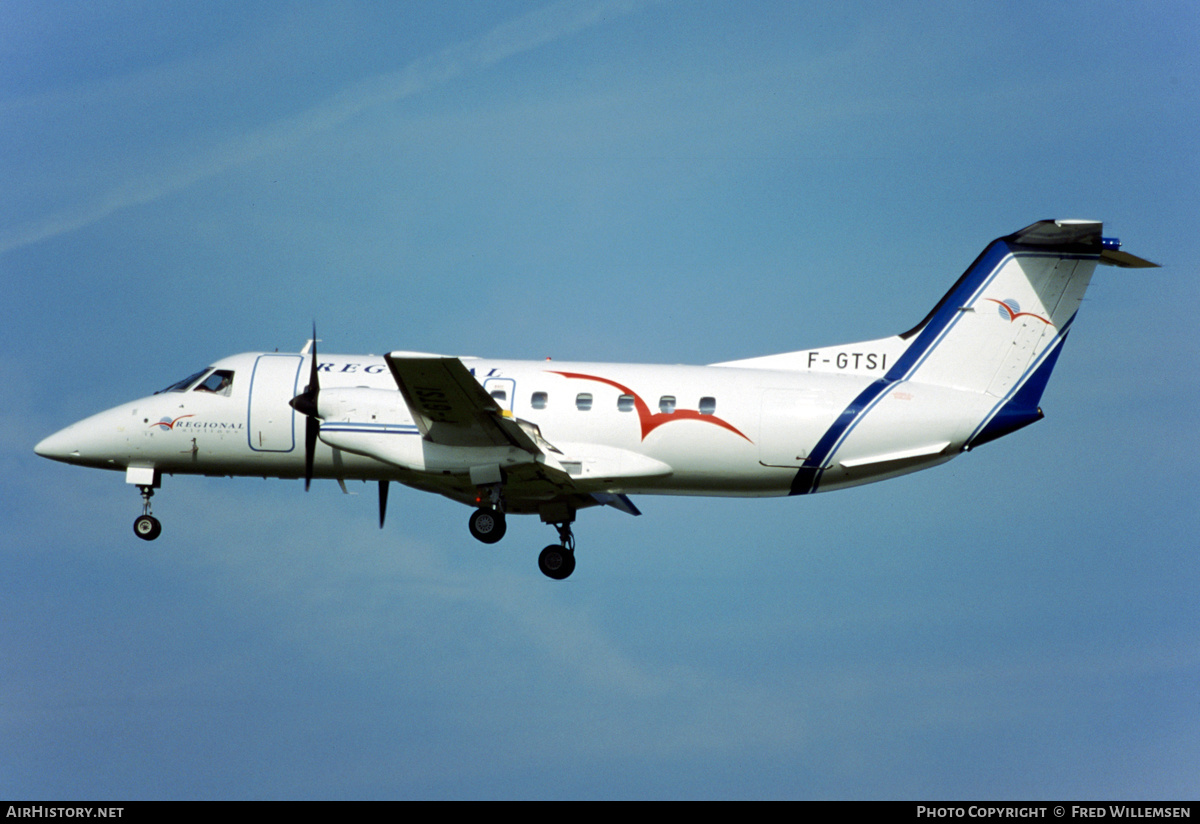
(1000, 328)
(996, 334)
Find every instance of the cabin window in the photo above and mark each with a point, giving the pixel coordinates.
(500, 394)
(583, 401)
(666, 404)
(708, 406)
(538, 401)
(220, 382)
(625, 403)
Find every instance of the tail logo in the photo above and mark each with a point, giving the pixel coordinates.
(1010, 310)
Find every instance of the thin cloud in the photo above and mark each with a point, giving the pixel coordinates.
(522, 34)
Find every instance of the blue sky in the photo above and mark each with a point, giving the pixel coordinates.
(650, 181)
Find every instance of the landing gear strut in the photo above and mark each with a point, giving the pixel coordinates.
(147, 526)
(487, 524)
(557, 561)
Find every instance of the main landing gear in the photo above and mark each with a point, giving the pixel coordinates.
(487, 524)
(146, 526)
(558, 561)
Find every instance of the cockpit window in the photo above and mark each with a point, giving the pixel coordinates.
(220, 382)
(181, 386)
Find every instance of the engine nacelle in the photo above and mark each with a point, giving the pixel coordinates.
(363, 405)
(378, 424)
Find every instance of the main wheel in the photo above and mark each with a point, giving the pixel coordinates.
(147, 527)
(556, 562)
(487, 525)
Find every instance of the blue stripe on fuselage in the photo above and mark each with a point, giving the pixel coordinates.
(809, 475)
(370, 428)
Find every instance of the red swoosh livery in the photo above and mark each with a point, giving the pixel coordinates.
(653, 420)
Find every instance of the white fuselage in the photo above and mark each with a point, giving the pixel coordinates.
(623, 428)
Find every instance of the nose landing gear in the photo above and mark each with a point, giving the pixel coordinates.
(146, 526)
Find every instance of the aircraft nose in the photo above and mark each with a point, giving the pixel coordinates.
(61, 446)
(103, 440)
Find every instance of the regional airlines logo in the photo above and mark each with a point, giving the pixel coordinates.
(1011, 310)
(168, 424)
(651, 421)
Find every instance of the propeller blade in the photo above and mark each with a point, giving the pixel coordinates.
(306, 404)
(383, 493)
(311, 428)
(314, 383)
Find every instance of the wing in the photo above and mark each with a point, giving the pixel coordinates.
(451, 408)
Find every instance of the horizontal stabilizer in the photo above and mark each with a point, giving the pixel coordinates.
(1078, 236)
(1060, 235)
(1115, 257)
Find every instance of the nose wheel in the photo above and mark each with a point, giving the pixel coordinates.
(146, 526)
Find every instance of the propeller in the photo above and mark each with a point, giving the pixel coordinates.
(306, 404)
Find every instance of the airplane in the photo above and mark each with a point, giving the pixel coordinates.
(549, 438)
